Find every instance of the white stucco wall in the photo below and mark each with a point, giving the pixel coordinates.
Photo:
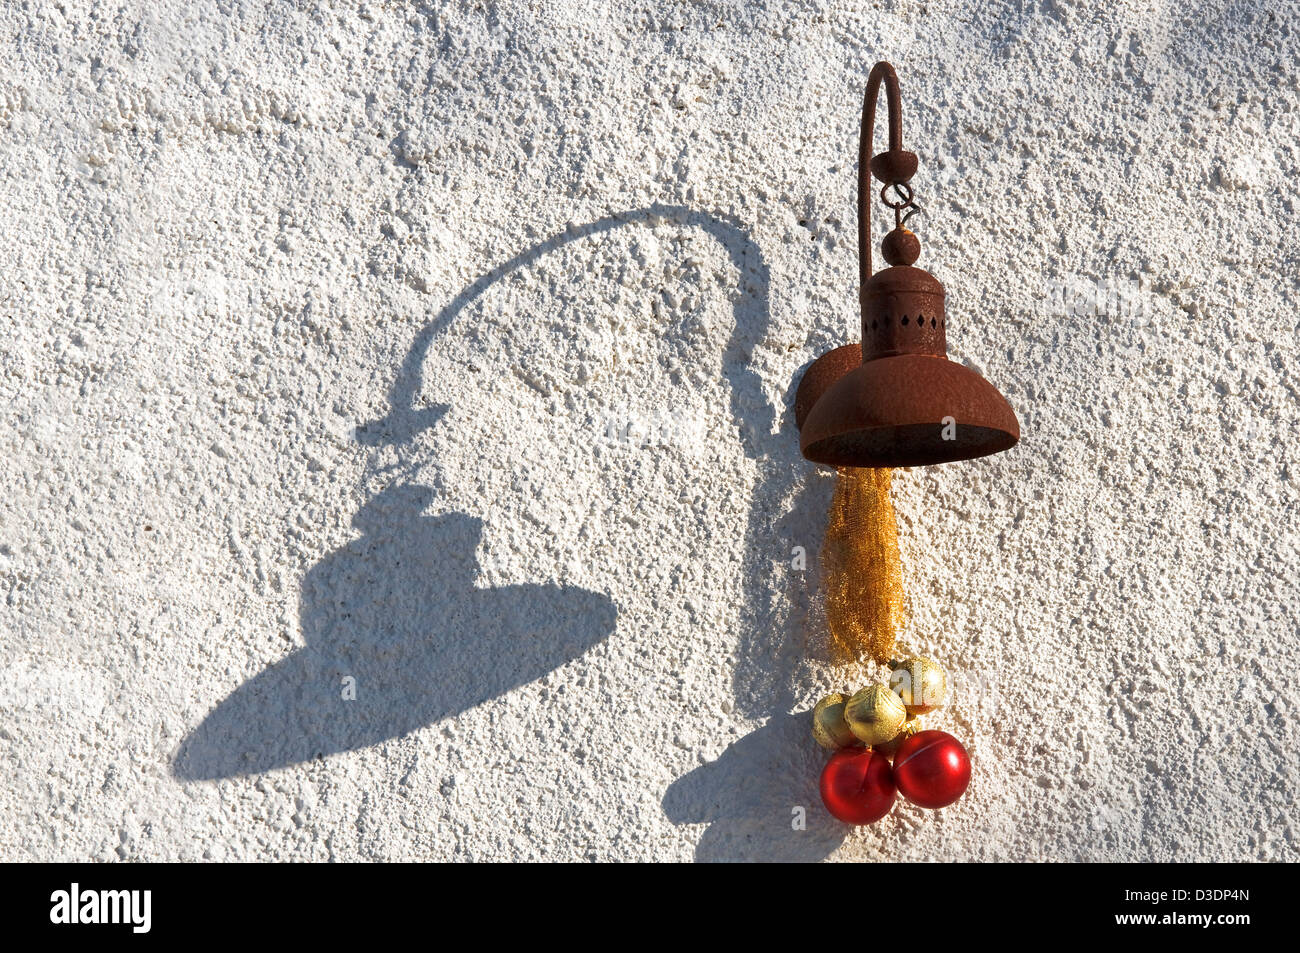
(451, 348)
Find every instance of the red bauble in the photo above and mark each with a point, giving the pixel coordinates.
(931, 769)
(858, 786)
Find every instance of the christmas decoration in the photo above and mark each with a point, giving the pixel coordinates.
(895, 400)
(920, 683)
(857, 786)
(829, 727)
(875, 714)
(862, 574)
(931, 769)
(890, 748)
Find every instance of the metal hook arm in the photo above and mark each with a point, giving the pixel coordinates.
(881, 71)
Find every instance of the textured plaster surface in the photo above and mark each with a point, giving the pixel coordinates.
(442, 354)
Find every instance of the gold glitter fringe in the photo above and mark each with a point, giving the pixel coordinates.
(862, 573)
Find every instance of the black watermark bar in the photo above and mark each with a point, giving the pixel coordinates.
(140, 903)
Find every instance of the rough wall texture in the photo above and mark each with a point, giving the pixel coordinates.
(443, 353)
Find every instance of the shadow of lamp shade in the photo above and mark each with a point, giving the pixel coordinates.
(896, 400)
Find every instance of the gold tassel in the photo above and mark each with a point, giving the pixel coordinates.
(862, 572)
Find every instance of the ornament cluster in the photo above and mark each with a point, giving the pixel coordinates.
(881, 750)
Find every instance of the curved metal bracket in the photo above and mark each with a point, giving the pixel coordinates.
(894, 167)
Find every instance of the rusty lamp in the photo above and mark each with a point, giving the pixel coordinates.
(896, 400)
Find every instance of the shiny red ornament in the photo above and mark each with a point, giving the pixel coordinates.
(931, 769)
(858, 786)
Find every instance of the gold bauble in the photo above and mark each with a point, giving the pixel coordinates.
(920, 683)
(829, 727)
(875, 714)
(890, 748)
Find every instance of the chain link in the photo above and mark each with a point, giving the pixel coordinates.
(904, 200)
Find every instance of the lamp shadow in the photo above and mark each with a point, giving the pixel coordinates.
(397, 638)
(394, 620)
